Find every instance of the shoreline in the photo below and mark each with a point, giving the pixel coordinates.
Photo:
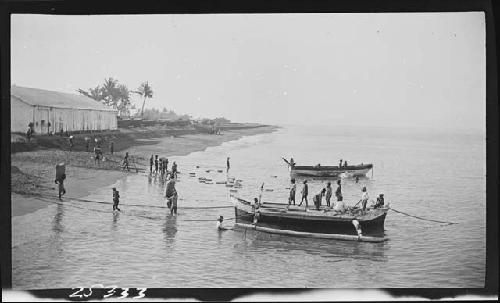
(32, 172)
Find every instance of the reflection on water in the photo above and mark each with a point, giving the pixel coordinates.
(116, 215)
(170, 229)
(57, 225)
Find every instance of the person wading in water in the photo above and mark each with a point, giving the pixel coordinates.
(171, 194)
(116, 199)
(60, 182)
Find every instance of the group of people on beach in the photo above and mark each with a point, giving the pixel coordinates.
(326, 192)
(161, 166)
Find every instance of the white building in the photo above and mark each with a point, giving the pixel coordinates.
(51, 111)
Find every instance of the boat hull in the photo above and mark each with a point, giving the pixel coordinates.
(301, 221)
(329, 171)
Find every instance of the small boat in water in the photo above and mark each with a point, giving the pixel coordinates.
(328, 171)
(281, 218)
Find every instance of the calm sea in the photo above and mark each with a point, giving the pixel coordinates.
(434, 175)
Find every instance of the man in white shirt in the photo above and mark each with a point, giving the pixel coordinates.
(364, 198)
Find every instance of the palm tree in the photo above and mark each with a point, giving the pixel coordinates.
(109, 90)
(147, 92)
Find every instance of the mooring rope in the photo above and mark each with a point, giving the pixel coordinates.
(136, 215)
(137, 205)
(420, 218)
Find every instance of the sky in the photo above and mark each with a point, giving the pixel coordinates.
(416, 70)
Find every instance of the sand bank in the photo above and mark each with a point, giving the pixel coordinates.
(33, 172)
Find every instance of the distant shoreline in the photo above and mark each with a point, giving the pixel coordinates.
(33, 171)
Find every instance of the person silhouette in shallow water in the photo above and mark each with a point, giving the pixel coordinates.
(116, 199)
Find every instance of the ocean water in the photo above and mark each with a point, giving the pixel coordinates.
(434, 175)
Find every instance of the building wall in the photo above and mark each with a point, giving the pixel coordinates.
(47, 119)
(21, 114)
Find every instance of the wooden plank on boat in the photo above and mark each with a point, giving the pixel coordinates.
(312, 235)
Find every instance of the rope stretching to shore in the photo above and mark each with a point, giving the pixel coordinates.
(420, 218)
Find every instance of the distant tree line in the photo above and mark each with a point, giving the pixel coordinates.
(117, 95)
(156, 114)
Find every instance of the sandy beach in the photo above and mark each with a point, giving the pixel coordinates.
(33, 172)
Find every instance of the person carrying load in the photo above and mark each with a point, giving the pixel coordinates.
(60, 177)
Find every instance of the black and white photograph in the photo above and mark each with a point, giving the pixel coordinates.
(310, 151)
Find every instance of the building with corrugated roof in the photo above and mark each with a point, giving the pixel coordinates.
(53, 112)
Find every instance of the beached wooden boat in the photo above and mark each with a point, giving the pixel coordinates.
(329, 171)
(293, 220)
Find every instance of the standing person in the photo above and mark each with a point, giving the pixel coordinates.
(174, 170)
(97, 155)
(305, 191)
(338, 192)
(292, 162)
(364, 198)
(340, 163)
(293, 188)
(328, 194)
(171, 194)
(345, 163)
(151, 162)
(166, 166)
(116, 199)
(227, 164)
(60, 182)
(160, 166)
(317, 198)
(70, 142)
(156, 163)
(125, 161)
(111, 147)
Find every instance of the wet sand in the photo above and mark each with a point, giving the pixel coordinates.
(33, 172)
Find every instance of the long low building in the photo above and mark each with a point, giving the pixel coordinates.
(51, 111)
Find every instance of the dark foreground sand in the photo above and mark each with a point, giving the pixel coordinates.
(33, 172)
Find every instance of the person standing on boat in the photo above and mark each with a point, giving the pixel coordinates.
(317, 198)
(340, 163)
(338, 192)
(293, 188)
(292, 163)
(345, 163)
(328, 195)
(364, 198)
(305, 191)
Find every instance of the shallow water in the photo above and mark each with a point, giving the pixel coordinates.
(437, 176)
